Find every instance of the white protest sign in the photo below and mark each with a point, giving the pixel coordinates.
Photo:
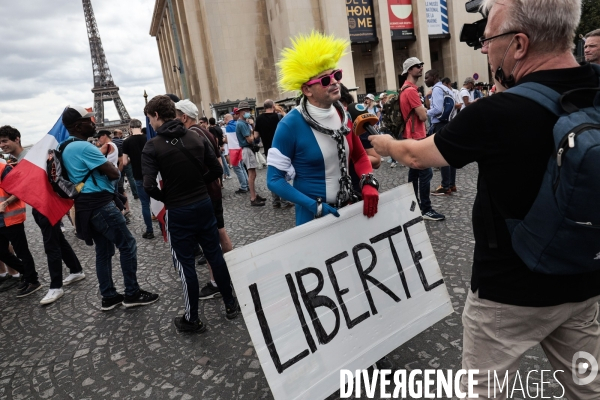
(338, 293)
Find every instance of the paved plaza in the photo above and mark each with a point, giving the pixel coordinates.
(71, 349)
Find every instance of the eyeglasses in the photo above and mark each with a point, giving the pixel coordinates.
(327, 79)
(486, 41)
(417, 66)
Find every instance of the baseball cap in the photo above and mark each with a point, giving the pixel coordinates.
(73, 114)
(383, 94)
(469, 80)
(188, 108)
(370, 96)
(410, 62)
(243, 105)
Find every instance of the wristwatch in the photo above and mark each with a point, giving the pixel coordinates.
(369, 179)
(319, 208)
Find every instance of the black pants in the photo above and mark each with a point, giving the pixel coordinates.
(57, 250)
(23, 261)
(187, 226)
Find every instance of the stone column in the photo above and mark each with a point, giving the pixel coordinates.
(383, 53)
(335, 21)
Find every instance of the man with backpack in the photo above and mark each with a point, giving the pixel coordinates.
(185, 164)
(442, 110)
(414, 116)
(98, 219)
(512, 307)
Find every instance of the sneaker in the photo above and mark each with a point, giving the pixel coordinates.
(148, 235)
(52, 296)
(453, 188)
(287, 205)
(22, 285)
(202, 260)
(241, 191)
(183, 325)
(29, 289)
(384, 363)
(256, 203)
(5, 277)
(259, 197)
(393, 164)
(209, 291)
(72, 278)
(108, 303)
(275, 205)
(432, 215)
(232, 311)
(141, 298)
(440, 191)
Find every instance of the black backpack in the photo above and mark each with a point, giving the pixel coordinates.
(57, 174)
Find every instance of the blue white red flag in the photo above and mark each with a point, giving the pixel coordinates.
(29, 180)
(158, 208)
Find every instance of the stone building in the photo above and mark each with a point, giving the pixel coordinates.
(218, 52)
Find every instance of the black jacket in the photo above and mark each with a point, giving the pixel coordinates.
(183, 180)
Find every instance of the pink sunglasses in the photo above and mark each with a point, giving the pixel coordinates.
(327, 79)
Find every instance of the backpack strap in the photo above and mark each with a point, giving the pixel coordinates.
(541, 94)
(61, 149)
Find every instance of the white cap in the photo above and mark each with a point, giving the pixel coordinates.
(188, 108)
(383, 94)
(370, 96)
(410, 62)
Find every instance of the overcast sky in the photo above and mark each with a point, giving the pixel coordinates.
(45, 61)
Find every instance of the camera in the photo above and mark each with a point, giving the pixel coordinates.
(471, 33)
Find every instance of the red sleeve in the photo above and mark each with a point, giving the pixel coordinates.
(414, 100)
(358, 155)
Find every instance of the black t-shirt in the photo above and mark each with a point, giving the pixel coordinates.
(133, 146)
(510, 138)
(266, 123)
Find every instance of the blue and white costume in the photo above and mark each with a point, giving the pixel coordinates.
(310, 159)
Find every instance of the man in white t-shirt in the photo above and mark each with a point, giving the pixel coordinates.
(466, 93)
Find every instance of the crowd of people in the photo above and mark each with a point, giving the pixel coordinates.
(509, 307)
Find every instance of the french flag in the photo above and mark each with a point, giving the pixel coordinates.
(29, 180)
(156, 207)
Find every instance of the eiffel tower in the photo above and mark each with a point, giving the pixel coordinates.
(104, 86)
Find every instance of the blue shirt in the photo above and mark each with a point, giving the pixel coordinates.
(242, 131)
(79, 158)
(437, 101)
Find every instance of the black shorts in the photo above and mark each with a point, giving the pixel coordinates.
(218, 209)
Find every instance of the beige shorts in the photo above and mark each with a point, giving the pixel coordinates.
(249, 158)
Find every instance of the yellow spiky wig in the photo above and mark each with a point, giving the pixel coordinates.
(308, 56)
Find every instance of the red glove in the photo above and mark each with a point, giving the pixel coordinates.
(370, 199)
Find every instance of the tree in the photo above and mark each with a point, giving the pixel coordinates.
(590, 17)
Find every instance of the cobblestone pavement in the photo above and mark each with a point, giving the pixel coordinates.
(70, 349)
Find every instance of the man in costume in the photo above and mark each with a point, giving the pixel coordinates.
(313, 142)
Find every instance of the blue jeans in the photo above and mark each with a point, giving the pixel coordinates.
(448, 177)
(187, 227)
(225, 166)
(109, 230)
(421, 179)
(145, 199)
(128, 171)
(242, 176)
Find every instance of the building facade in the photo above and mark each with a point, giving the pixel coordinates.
(218, 52)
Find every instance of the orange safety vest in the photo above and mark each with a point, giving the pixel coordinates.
(15, 212)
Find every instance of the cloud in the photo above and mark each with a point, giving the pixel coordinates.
(46, 62)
